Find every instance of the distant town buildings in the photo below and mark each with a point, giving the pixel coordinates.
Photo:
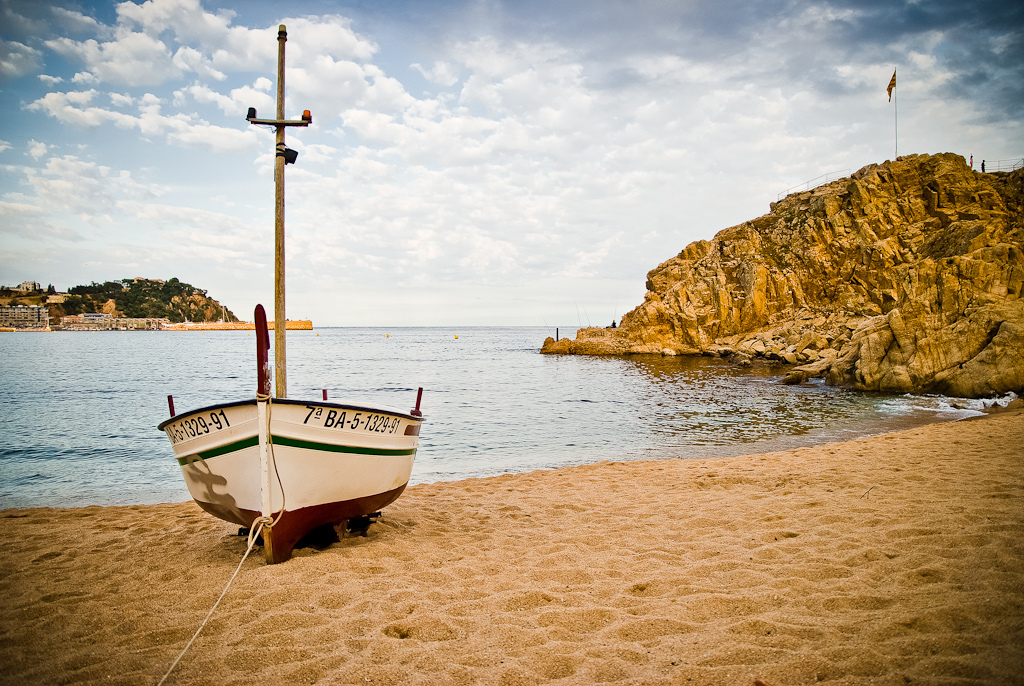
(94, 321)
(24, 317)
(33, 317)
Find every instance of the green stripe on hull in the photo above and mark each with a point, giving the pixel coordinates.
(331, 448)
(291, 443)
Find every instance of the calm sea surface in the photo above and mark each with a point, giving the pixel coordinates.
(78, 410)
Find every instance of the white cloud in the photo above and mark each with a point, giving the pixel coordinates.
(186, 18)
(11, 209)
(196, 233)
(589, 263)
(50, 80)
(237, 102)
(205, 95)
(21, 220)
(36, 149)
(75, 186)
(377, 127)
(211, 46)
(178, 129)
(441, 73)
(69, 108)
(215, 138)
(190, 59)
(121, 99)
(84, 77)
(132, 59)
(75, 22)
(486, 255)
(17, 59)
(328, 87)
(329, 35)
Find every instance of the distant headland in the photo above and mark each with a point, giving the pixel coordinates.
(128, 304)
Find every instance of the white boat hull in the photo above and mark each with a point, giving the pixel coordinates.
(329, 463)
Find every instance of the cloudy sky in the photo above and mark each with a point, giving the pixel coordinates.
(470, 161)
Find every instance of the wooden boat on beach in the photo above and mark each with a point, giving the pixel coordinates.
(318, 463)
(284, 467)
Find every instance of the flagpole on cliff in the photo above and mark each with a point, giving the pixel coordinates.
(895, 117)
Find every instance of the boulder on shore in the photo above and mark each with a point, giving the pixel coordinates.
(904, 277)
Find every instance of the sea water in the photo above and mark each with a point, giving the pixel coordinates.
(79, 410)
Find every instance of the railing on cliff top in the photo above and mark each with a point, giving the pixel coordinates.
(990, 166)
(1004, 165)
(815, 182)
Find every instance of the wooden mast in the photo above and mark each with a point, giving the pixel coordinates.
(280, 371)
(282, 156)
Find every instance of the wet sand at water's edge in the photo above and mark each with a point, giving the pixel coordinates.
(895, 559)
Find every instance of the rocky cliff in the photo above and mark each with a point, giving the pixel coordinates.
(906, 276)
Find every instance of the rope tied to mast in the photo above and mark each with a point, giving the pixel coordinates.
(265, 521)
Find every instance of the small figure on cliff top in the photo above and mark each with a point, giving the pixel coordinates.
(613, 325)
(983, 166)
(972, 161)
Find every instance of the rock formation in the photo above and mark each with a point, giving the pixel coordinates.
(904, 277)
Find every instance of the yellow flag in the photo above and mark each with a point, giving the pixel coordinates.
(892, 84)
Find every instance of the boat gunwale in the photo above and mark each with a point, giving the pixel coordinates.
(289, 401)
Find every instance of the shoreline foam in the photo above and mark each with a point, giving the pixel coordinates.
(891, 559)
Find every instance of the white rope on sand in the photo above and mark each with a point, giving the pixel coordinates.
(253, 533)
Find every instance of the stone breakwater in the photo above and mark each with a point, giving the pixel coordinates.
(904, 277)
(290, 325)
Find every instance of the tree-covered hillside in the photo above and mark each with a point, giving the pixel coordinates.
(171, 299)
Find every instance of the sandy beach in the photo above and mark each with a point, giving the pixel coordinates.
(895, 559)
